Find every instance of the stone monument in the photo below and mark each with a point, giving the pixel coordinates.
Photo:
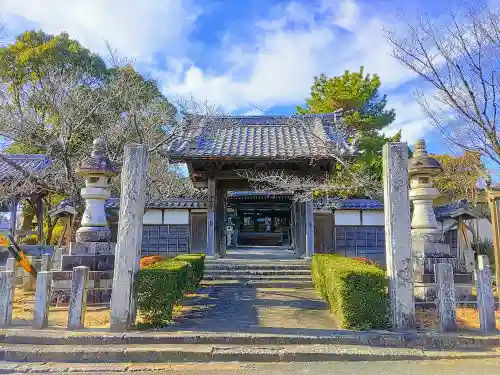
(93, 247)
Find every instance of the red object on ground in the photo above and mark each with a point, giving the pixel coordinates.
(151, 259)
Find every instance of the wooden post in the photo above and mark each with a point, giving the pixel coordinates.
(210, 251)
(309, 227)
(39, 219)
(13, 215)
(494, 201)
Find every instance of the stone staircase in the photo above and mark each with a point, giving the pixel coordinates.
(258, 273)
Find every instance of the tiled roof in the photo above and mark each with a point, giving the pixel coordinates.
(114, 202)
(30, 162)
(277, 137)
(348, 204)
(456, 209)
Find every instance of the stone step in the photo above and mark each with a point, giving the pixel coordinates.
(106, 358)
(271, 283)
(271, 266)
(263, 272)
(375, 338)
(257, 277)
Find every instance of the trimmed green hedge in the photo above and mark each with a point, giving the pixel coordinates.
(159, 287)
(162, 284)
(355, 291)
(197, 261)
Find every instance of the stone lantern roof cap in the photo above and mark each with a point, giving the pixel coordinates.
(98, 161)
(421, 162)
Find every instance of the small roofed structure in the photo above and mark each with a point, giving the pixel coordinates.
(15, 173)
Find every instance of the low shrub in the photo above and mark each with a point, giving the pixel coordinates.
(197, 261)
(160, 285)
(150, 259)
(355, 291)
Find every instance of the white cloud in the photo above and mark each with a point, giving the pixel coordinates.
(136, 29)
(275, 67)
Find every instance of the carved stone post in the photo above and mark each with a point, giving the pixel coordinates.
(46, 262)
(42, 300)
(397, 234)
(210, 251)
(28, 279)
(78, 297)
(128, 248)
(11, 264)
(7, 290)
(446, 300)
(485, 301)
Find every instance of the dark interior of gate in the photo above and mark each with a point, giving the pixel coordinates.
(260, 218)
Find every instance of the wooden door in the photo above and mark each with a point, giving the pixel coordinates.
(198, 232)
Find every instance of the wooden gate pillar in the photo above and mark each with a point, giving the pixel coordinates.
(211, 218)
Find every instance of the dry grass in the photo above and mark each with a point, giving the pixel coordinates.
(22, 313)
(467, 318)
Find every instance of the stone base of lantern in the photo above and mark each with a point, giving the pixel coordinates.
(93, 234)
(92, 248)
(100, 258)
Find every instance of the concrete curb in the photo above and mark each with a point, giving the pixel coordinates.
(427, 340)
(206, 353)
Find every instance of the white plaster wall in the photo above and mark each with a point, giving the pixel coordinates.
(484, 229)
(373, 217)
(347, 217)
(152, 216)
(176, 217)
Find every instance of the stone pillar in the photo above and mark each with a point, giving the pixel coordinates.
(309, 226)
(46, 262)
(11, 264)
(485, 301)
(28, 279)
(78, 298)
(210, 251)
(7, 290)
(128, 248)
(446, 300)
(397, 234)
(42, 300)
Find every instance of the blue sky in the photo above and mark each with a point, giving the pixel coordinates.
(245, 54)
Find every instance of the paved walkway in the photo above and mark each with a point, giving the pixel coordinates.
(254, 310)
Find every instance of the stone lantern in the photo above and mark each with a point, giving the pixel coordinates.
(98, 171)
(425, 232)
(421, 170)
(93, 247)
